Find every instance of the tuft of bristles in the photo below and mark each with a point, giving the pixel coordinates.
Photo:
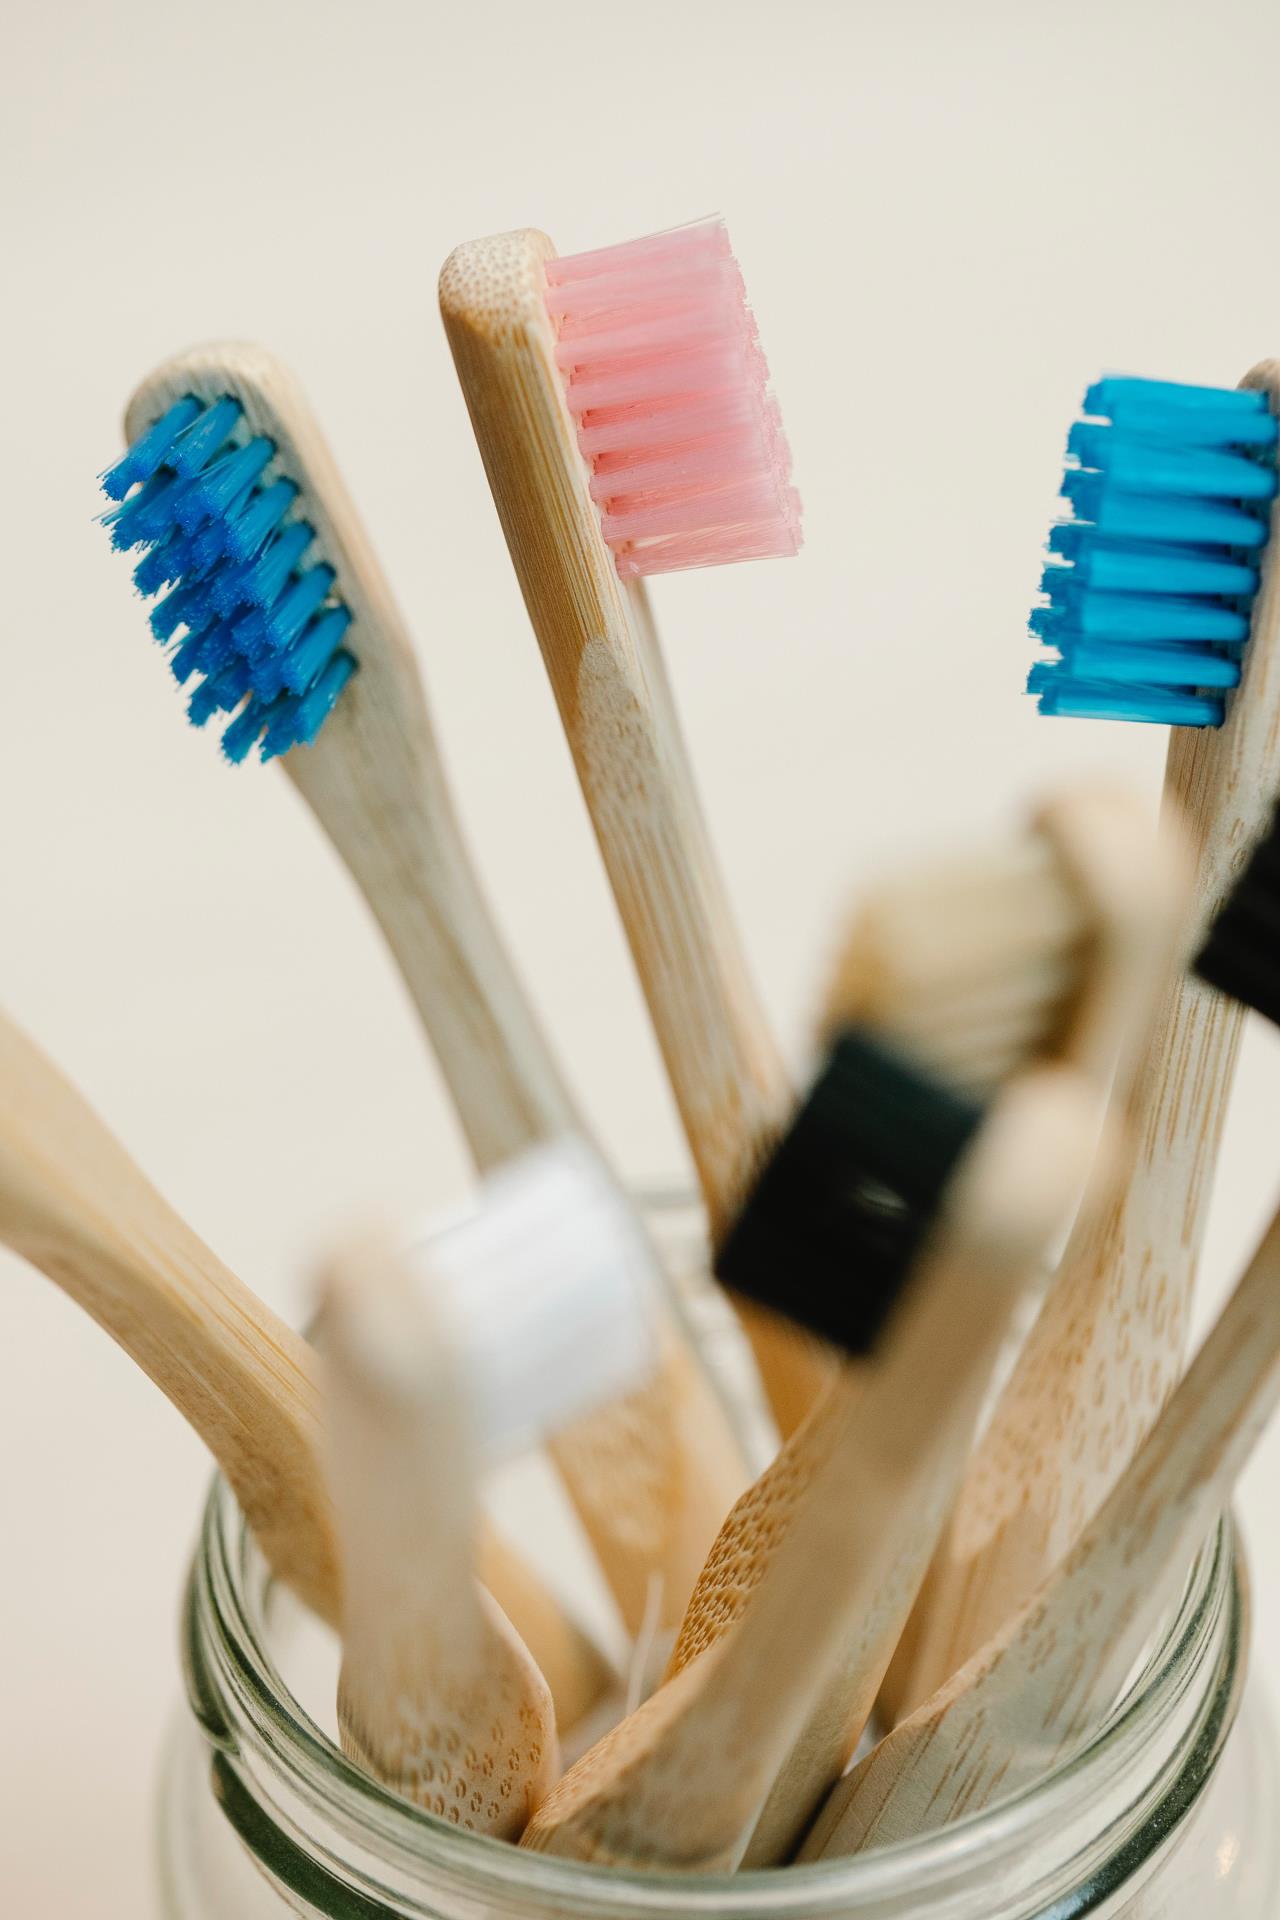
(250, 607)
(832, 1227)
(669, 392)
(1150, 585)
(1241, 953)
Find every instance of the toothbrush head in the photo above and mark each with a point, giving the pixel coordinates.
(211, 497)
(669, 392)
(1241, 954)
(549, 1291)
(1149, 590)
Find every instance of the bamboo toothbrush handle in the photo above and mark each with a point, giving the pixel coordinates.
(376, 783)
(1038, 1688)
(598, 646)
(74, 1204)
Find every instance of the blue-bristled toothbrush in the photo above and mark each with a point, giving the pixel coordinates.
(272, 593)
(1163, 606)
(1150, 582)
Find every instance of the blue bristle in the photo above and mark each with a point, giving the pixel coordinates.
(1193, 416)
(1136, 516)
(248, 532)
(164, 563)
(147, 515)
(1106, 660)
(220, 540)
(266, 579)
(1062, 696)
(229, 589)
(1134, 616)
(1117, 566)
(194, 655)
(1150, 466)
(223, 487)
(185, 606)
(209, 545)
(242, 735)
(291, 612)
(222, 692)
(301, 719)
(206, 436)
(294, 670)
(1150, 587)
(146, 454)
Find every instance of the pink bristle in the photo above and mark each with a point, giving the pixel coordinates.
(669, 392)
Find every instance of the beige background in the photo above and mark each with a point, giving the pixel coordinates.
(949, 218)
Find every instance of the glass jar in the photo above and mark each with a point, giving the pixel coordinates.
(1169, 1813)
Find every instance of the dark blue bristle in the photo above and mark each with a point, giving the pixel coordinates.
(1151, 586)
(1241, 955)
(255, 622)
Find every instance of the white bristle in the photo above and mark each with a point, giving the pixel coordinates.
(548, 1291)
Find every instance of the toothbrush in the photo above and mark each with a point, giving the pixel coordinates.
(733, 1754)
(526, 1315)
(619, 403)
(1055, 1670)
(971, 964)
(73, 1203)
(1106, 1348)
(651, 1486)
(975, 970)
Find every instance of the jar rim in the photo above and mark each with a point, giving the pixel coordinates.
(241, 1700)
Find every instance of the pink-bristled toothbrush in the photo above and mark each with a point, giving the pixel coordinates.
(620, 401)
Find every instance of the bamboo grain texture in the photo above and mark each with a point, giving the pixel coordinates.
(1051, 1675)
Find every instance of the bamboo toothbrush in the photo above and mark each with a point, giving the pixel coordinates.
(734, 1752)
(619, 403)
(1107, 1345)
(1053, 1671)
(525, 1315)
(438, 1697)
(972, 964)
(651, 1485)
(73, 1203)
(975, 970)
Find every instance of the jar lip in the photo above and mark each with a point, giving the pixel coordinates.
(230, 1666)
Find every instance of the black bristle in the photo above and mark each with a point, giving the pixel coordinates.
(833, 1224)
(1241, 955)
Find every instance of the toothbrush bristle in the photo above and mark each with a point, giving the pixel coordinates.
(1149, 590)
(851, 1190)
(1241, 953)
(246, 602)
(669, 393)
